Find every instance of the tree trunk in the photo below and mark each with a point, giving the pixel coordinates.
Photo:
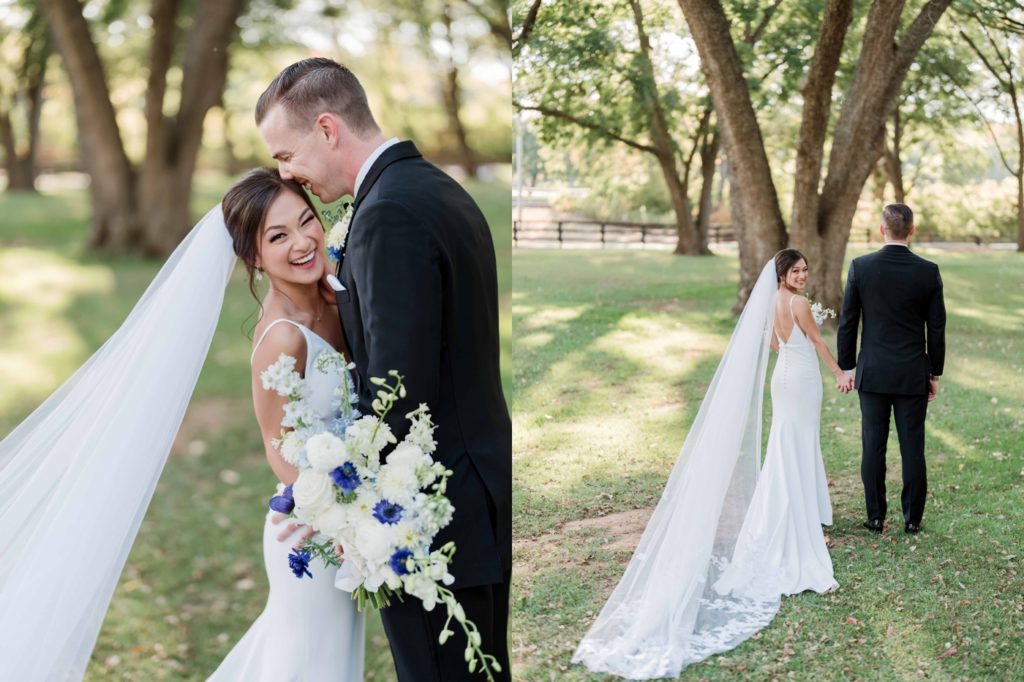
(144, 210)
(817, 108)
(677, 186)
(453, 102)
(892, 160)
(859, 134)
(708, 159)
(115, 221)
(757, 218)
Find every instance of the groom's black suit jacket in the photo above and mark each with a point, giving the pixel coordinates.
(897, 295)
(422, 298)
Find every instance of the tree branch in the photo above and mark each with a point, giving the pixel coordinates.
(751, 38)
(588, 125)
(527, 27)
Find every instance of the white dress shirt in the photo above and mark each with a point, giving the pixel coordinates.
(369, 162)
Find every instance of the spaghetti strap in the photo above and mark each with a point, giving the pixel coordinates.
(269, 326)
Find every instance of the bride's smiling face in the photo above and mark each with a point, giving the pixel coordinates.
(796, 277)
(292, 241)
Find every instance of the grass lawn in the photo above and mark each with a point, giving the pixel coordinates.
(194, 581)
(613, 352)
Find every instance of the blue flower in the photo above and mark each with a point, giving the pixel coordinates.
(388, 512)
(339, 426)
(334, 253)
(346, 477)
(283, 503)
(397, 561)
(298, 561)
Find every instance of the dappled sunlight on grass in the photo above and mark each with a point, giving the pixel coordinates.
(39, 347)
(613, 354)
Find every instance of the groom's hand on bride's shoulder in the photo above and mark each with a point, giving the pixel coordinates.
(297, 531)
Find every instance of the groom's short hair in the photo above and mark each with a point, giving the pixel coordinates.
(897, 219)
(313, 86)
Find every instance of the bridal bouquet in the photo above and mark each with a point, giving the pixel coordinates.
(384, 516)
(821, 313)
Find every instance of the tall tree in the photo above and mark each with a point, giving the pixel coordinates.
(823, 210)
(21, 96)
(582, 59)
(144, 207)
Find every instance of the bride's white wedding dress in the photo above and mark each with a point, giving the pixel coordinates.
(310, 630)
(781, 547)
(728, 537)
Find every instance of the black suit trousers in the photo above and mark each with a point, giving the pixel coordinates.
(909, 413)
(412, 633)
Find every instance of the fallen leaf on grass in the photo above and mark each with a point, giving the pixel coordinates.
(951, 651)
(850, 620)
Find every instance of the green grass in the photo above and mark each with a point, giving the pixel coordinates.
(613, 351)
(194, 580)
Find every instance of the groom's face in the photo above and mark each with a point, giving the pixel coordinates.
(303, 154)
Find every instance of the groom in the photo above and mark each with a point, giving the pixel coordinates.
(898, 296)
(417, 292)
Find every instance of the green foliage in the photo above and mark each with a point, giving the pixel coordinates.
(613, 354)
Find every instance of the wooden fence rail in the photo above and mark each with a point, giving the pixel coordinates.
(605, 233)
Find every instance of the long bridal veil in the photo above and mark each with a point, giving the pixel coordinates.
(664, 614)
(77, 475)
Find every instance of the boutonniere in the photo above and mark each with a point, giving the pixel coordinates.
(338, 234)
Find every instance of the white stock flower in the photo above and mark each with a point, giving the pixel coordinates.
(326, 452)
(280, 376)
(360, 436)
(313, 491)
(299, 413)
(291, 448)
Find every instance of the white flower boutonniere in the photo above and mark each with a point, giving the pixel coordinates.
(338, 234)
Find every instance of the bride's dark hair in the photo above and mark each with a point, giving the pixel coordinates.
(245, 209)
(785, 260)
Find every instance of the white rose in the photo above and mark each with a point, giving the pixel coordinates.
(375, 541)
(332, 521)
(313, 491)
(326, 452)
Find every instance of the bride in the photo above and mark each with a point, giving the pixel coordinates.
(77, 475)
(730, 537)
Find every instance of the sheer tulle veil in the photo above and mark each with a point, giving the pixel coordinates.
(77, 475)
(664, 613)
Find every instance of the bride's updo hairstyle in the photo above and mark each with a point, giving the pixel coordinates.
(784, 262)
(245, 209)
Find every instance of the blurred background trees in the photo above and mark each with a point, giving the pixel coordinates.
(144, 96)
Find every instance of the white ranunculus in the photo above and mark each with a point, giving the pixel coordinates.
(313, 491)
(375, 541)
(326, 452)
(407, 454)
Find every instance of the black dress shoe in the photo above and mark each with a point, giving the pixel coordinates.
(912, 527)
(874, 525)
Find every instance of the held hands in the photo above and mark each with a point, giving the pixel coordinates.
(844, 382)
(297, 530)
(933, 388)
